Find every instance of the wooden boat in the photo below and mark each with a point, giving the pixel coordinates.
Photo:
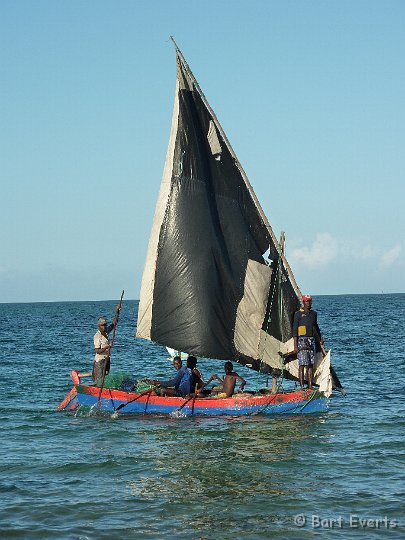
(113, 400)
(216, 282)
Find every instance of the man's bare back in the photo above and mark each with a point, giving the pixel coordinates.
(229, 381)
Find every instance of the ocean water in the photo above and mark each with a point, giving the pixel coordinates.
(96, 477)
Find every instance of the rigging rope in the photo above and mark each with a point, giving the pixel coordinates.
(269, 317)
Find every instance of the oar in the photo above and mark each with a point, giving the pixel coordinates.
(184, 404)
(112, 343)
(187, 401)
(144, 393)
(195, 395)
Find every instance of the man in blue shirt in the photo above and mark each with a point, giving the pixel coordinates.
(180, 384)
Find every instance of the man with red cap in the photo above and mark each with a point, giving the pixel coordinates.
(305, 329)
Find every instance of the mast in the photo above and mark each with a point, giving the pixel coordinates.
(242, 171)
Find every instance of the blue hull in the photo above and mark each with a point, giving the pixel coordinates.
(204, 407)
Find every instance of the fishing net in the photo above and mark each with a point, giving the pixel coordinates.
(142, 385)
(125, 381)
(117, 379)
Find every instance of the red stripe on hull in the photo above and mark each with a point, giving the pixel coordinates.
(234, 401)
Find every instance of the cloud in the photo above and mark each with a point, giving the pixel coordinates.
(389, 257)
(322, 251)
(365, 252)
(326, 248)
(358, 248)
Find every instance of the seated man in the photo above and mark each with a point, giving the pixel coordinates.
(179, 385)
(229, 381)
(197, 382)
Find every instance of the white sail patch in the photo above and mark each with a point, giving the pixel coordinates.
(213, 141)
(144, 324)
(270, 347)
(322, 375)
(252, 309)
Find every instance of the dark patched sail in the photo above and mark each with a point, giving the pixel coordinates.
(206, 287)
(215, 283)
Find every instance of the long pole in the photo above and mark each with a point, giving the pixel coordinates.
(242, 171)
(112, 343)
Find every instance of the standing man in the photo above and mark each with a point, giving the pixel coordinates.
(305, 329)
(102, 346)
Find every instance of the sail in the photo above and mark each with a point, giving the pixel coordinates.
(207, 287)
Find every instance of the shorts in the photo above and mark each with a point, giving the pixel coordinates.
(98, 368)
(306, 351)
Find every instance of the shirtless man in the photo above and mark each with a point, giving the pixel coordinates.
(229, 381)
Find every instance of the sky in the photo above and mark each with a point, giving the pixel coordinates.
(310, 94)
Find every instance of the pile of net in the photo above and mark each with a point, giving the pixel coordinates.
(125, 381)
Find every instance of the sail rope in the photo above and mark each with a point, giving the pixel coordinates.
(269, 319)
(292, 410)
(264, 407)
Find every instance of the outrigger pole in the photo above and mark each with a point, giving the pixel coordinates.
(243, 173)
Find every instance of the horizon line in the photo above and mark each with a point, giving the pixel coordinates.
(137, 299)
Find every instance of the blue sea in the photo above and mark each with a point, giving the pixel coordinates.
(65, 476)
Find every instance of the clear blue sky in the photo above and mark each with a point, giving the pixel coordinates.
(310, 93)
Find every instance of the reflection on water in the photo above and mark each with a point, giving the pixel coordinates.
(233, 457)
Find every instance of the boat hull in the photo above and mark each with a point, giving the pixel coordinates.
(296, 402)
